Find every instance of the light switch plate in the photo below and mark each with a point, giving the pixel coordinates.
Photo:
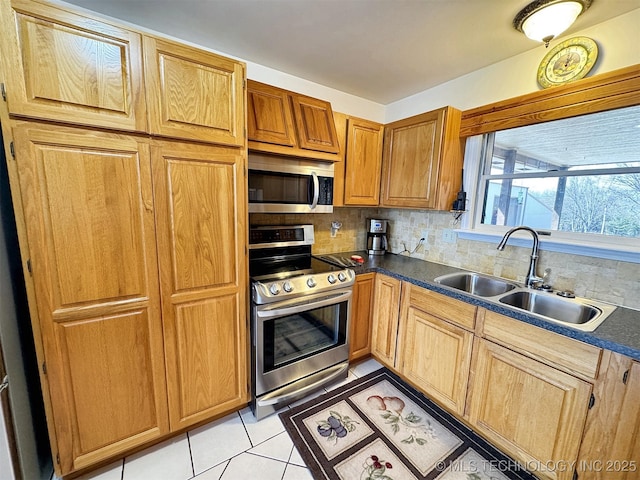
(448, 235)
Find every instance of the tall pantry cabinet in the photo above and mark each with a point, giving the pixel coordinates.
(126, 155)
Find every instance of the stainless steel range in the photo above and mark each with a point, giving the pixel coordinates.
(300, 310)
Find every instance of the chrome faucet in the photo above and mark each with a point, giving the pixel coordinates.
(532, 279)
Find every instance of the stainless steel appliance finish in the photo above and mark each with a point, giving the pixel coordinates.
(300, 311)
(285, 185)
(376, 236)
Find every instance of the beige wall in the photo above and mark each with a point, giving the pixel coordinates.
(607, 280)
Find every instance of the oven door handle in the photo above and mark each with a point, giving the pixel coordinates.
(316, 190)
(299, 307)
(292, 391)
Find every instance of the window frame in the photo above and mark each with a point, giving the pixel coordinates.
(471, 227)
(616, 89)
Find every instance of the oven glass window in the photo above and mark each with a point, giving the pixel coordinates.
(297, 336)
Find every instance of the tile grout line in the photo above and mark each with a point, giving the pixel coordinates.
(193, 470)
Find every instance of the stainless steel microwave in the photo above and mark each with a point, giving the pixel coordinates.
(285, 185)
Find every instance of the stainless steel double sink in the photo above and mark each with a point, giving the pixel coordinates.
(579, 313)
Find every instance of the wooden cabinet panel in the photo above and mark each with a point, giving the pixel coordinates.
(360, 330)
(108, 366)
(384, 329)
(286, 123)
(572, 356)
(435, 354)
(314, 124)
(193, 94)
(71, 67)
(610, 447)
(363, 162)
(201, 222)
(454, 311)
(535, 412)
(422, 161)
(88, 208)
(269, 117)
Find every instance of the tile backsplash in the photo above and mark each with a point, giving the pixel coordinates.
(601, 279)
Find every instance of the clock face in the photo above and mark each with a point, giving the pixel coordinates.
(568, 61)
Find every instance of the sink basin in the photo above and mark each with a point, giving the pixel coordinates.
(476, 284)
(578, 313)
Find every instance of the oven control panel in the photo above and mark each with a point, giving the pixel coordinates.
(276, 290)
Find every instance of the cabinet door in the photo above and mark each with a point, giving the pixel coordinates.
(314, 124)
(201, 221)
(269, 117)
(386, 307)
(412, 151)
(534, 412)
(87, 199)
(363, 162)
(435, 355)
(193, 94)
(422, 160)
(71, 68)
(610, 447)
(360, 330)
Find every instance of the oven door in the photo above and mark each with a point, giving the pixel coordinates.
(300, 337)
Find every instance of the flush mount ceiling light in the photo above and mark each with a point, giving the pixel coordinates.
(542, 20)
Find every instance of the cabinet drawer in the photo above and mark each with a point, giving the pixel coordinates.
(441, 306)
(567, 354)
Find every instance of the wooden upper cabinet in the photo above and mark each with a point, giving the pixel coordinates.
(87, 200)
(314, 123)
(193, 94)
(422, 161)
(70, 67)
(363, 162)
(200, 216)
(269, 118)
(287, 123)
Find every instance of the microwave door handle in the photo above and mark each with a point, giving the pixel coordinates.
(316, 190)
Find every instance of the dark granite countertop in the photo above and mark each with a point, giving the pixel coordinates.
(620, 332)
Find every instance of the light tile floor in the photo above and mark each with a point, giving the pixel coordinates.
(231, 448)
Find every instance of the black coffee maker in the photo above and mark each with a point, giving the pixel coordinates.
(376, 236)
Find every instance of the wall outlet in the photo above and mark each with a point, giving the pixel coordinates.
(449, 236)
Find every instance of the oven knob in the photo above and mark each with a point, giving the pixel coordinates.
(274, 289)
(287, 287)
(331, 278)
(342, 277)
(311, 282)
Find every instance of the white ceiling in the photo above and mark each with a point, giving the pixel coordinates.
(380, 50)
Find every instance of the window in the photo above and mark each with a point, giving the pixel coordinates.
(577, 178)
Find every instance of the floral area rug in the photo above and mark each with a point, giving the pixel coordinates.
(379, 428)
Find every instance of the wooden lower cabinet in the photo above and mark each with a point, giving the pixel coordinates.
(531, 410)
(384, 326)
(200, 219)
(610, 447)
(434, 354)
(88, 209)
(360, 329)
